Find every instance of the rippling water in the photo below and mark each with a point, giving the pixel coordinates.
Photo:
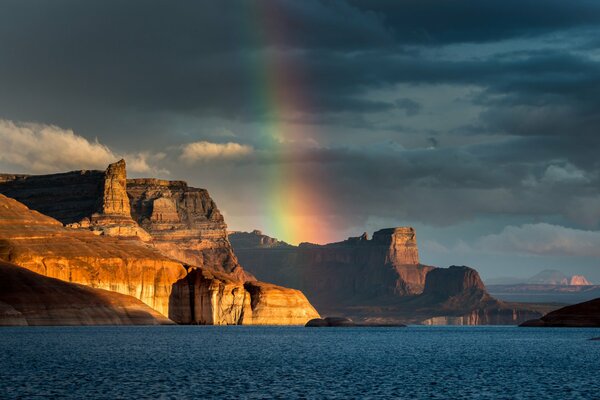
(276, 362)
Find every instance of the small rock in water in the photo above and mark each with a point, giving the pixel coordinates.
(330, 322)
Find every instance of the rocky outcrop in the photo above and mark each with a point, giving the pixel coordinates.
(579, 280)
(43, 245)
(184, 223)
(581, 315)
(27, 298)
(330, 322)
(457, 296)
(220, 300)
(378, 281)
(357, 270)
(90, 200)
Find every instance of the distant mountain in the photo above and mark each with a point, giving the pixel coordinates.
(546, 277)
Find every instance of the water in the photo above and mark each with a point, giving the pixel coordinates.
(294, 362)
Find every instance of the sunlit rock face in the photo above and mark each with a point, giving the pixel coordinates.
(184, 223)
(219, 300)
(91, 200)
(579, 280)
(27, 298)
(41, 244)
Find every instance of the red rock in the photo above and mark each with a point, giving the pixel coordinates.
(27, 298)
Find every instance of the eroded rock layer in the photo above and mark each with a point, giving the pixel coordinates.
(92, 200)
(184, 223)
(43, 245)
(355, 270)
(378, 281)
(27, 298)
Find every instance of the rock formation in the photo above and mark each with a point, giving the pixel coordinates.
(43, 245)
(579, 280)
(378, 281)
(184, 223)
(27, 298)
(581, 315)
(94, 200)
(357, 269)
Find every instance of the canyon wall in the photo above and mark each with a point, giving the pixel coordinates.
(378, 280)
(27, 298)
(184, 223)
(43, 245)
(355, 270)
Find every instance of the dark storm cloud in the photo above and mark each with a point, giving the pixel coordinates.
(98, 66)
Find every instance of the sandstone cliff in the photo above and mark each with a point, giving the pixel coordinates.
(94, 200)
(27, 298)
(43, 245)
(355, 270)
(581, 315)
(378, 281)
(184, 223)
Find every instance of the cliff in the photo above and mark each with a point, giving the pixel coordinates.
(184, 223)
(43, 245)
(378, 280)
(581, 315)
(93, 200)
(27, 298)
(358, 269)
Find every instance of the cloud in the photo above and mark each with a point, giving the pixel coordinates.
(543, 239)
(205, 151)
(40, 148)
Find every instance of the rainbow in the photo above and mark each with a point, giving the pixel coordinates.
(295, 206)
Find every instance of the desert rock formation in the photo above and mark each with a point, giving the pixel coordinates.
(43, 245)
(378, 281)
(27, 298)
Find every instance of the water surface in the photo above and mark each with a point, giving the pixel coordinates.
(295, 362)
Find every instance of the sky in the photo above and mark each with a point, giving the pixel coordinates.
(474, 121)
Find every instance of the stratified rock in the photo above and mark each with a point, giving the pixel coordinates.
(41, 244)
(185, 224)
(91, 200)
(355, 271)
(27, 298)
(457, 296)
(220, 300)
(581, 315)
(339, 322)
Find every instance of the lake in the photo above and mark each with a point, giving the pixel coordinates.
(296, 362)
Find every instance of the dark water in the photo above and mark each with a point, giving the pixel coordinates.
(270, 362)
